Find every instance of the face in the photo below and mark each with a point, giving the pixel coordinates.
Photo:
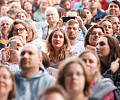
(19, 30)
(29, 58)
(54, 96)
(27, 6)
(108, 27)
(51, 17)
(115, 23)
(14, 8)
(12, 16)
(4, 10)
(29, 39)
(91, 62)
(93, 4)
(72, 31)
(5, 26)
(102, 47)
(43, 4)
(71, 14)
(5, 82)
(74, 78)
(67, 5)
(95, 35)
(23, 16)
(113, 9)
(88, 15)
(19, 43)
(58, 39)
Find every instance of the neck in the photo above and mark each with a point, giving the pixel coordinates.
(93, 11)
(52, 25)
(43, 11)
(104, 60)
(73, 42)
(27, 73)
(88, 21)
(3, 97)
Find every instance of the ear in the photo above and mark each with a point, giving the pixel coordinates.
(98, 67)
(40, 62)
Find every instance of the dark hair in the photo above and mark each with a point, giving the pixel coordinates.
(116, 2)
(63, 1)
(61, 12)
(11, 12)
(58, 5)
(81, 13)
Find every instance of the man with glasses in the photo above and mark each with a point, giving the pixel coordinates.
(97, 13)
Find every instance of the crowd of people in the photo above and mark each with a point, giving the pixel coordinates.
(59, 50)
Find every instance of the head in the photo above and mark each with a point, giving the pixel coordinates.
(61, 12)
(57, 39)
(58, 6)
(93, 63)
(66, 4)
(51, 15)
(93, 34)
(71, 13)
(115, 23)
(72, 29)
(32, 30)
(15, 6)
(18, 28)
(5, 23)
(107, 47)
(114, 8)
(53, 93)
(11, 14)
(27, 6)
(44, 4)
(4, 9)
(82, 14)
(107, 25)
(74, 70)
(21, 15)
(30, 58)
(8, 81)
(93, 4)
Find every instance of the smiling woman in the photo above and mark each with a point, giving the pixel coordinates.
(57, 44)
(7, 84)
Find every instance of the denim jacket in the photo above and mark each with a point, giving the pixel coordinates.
(28, 88)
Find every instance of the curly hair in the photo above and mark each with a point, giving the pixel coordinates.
(62, 50)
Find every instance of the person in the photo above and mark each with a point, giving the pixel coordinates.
(93, 34)
(18, 28)
(39, 15)
(11, 14)
(10, 55)
(3, 11)
(72, 30)
(66, 4)
(7, 84)
(96, 13)
(32, 73)
(109, 56)
(74, 77)
(52, 17)
(53, 93)
(5, 23)
(107, 25)
(57, 44)
(105, 86)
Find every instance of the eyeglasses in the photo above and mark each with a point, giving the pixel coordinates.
(5, 77)
(19, 30)
(95, 33)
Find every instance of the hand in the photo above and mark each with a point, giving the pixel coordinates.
(70, 53)
(81, 24)
(114, 65)
(90, 47)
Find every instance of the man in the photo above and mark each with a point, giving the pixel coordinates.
(32, 78)
(52, 17)
(5, 23)
(82, 28)
(72, 30)
(97, 13)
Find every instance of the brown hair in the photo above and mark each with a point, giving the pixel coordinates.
(50, 47)
(53, 89)
(12, 93)
(10, 31)
(64, 65)
(86, 39)
(81, 13)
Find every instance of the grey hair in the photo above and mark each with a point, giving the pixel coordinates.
(5, 18)
(14, 4)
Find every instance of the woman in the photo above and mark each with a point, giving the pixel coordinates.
(18, 28)
(7, 84)
(98, 84)
(107, 48)
(53, 93)
(57, 44)
(75, 78)
(33, 36)
(93, 34)
(107, 25)
(9, 55)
